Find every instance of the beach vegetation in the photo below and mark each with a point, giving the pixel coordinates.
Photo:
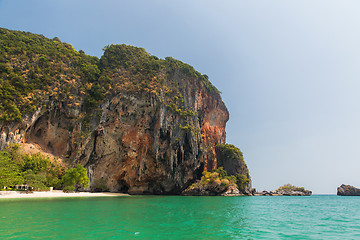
(69, 189)
(34, 68)
(35, 170)
(10, 172)
(38, 171)
(76, 176)
(37, 181)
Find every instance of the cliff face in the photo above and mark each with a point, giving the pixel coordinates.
(141, 146)
(138, 123)
(137, 144)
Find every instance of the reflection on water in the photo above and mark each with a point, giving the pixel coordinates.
(175, 217)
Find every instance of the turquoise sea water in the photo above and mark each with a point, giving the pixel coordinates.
(177, 217)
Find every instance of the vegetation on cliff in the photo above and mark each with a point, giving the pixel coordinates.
(132, 69)
(34, 68)
(217, 177)
(35, 71)
(232, 160)
(211, 183)
(148, 73)
(217, 182)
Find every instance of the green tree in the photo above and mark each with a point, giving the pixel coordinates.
(76, 177)
(242, 181)
(222, 172)
(34, 180)
(36, 162)
(9, 171)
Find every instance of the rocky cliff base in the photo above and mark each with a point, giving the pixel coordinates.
(218, 183)
(213, 191)
(347, 190)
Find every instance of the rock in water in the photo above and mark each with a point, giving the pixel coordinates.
(347, 190)
(286, 190)
(294, 193)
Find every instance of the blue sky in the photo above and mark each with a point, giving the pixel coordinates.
(288, 70)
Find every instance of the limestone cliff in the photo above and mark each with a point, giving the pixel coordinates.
(140, 124)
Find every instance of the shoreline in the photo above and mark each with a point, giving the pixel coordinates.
(57, 194)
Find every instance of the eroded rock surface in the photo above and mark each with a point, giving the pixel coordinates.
(138, 144)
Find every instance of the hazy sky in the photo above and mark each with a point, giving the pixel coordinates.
(289, 71)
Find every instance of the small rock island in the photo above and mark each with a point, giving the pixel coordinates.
(348, 190)
(286, 190)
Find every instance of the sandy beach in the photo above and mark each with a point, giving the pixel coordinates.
(56, 194)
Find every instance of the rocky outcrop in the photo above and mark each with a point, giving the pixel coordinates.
(213, 190)
(262, 193)
(283, 193)
(231, 159)
(347, 190)
(217, 183)
(292, 193)
(209, 190)
(286, 190)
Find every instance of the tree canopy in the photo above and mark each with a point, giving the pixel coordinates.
(76, 177)
(10, 173)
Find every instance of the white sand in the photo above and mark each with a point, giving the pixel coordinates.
(56, 193)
